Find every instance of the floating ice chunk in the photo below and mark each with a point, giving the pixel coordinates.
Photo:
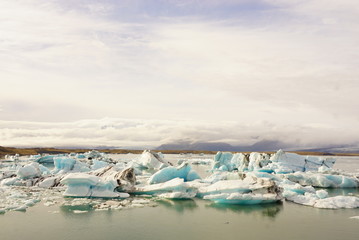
(257, 161)
(16, 199)
(178, 195)
(284, 162)
(355, 217)
(106, 182)
(126, 178)
(79, 211)
(222, 161)
(227, 186)
(226, 161)
(183, 171)
(338, 202)
(11, 181)
(64, 163)
(307, 199)
(30, 170)
(152, 160)
(175, 188)
(43, 159)
(247, 185)
(80, 156)
(315, 200)
(85, 185)
(323, 180)
(98, 164)
(322, 194)
(290, 188)
(94, 154)
(49, 182)
(259, 174)
(243, 199)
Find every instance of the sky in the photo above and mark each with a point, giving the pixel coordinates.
(141, 73)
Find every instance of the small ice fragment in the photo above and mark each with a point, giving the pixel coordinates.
(321, 194)
(79, 211)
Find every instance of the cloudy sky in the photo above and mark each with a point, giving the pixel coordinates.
(146, 72)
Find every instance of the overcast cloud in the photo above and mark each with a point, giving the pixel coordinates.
(152, 72)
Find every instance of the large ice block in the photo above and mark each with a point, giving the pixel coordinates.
(106, 183)
(183, 171)
(31, 170)
(175, 188)
(152, 160)
(323, 180)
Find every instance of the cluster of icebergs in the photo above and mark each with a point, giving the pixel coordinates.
(254, 178)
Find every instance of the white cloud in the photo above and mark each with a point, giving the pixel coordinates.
(152, 133)
(292, 72)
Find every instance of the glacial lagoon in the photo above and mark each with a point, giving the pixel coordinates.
(184, 219)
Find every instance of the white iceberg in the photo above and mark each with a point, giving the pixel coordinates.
(314, 200)
(243, 198)
(66, 164)
(223, 161)
(106, 183)
(247, 185)
(32, 170)
(175, 188)
(43, 159)
(284, 162)
(323, 180)
(152, 160)
(183, 171)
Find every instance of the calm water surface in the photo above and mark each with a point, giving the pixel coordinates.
(186, 219)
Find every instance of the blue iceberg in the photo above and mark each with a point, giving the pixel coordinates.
(183, 171)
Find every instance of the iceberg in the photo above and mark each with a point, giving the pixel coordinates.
(32, 170)
(284, 162)
(175, 189)
(281, 162)
(244, 198)
(106, 183)
(291, 188)
(257, 161)
(66, 164)
(247, 185)
(152, 160)
(97, 164)
(43, 159)
(222, 161)
(314, 200)
(86, 185)
(323, 180)
(249, 191)
(183, 171)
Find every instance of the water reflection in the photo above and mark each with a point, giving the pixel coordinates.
(77, 210)
(178, 205)
(266, 210)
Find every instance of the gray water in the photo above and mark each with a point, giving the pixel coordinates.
(186, 219)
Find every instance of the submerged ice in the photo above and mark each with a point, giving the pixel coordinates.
(244, 179)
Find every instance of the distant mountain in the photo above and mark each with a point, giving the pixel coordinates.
(335, 149)
(261, 146)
